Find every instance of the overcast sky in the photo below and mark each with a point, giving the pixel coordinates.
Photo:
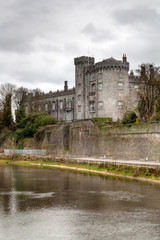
(40, 38)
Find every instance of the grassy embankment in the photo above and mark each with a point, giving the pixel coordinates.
(138, 173)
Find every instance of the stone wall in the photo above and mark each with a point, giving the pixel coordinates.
(56, 140)
(137, 142)
(84, 139)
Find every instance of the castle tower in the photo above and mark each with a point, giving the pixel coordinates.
(108, 89)
(81, 65)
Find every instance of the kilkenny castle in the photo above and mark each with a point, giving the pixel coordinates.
(102, 89)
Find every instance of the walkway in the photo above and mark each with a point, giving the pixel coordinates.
(138, 163)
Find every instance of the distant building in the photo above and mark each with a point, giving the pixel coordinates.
(102, 89)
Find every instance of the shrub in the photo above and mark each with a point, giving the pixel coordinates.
(21, 145)
(129, 117)
(29, 125)
(101, 121)
(148, 173)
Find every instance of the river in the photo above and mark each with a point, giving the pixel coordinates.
(54, 204)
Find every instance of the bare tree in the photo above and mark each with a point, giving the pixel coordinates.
(149, 89)
(19, 96)
(6, 89)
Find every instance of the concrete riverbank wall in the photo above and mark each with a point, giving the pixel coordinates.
(84, 139)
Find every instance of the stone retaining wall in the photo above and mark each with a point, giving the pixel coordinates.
(85, 139)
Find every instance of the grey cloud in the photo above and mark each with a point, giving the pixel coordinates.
(138, 16)
(97, 34)
(40, 38)
(23, 21)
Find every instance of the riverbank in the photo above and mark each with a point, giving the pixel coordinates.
(122, 171)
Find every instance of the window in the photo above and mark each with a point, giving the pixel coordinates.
(39, 108)
(46, 107)
(120, 104)
(120, 85)
(79, 86)
(26, 109)
(61, 105)
(79, 108)
(93, 87)
(100, 76)
(91, 106)
(100, 86)
(79, 97)
(100, 105)
(69, 105)
(136, 87)
(53, 106)
(120, 75)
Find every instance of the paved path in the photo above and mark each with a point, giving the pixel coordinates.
(141, 163)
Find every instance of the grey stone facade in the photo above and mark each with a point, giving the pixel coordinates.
(102, 89)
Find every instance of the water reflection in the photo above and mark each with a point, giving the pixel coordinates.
(60, 204)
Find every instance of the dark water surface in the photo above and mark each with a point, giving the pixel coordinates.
(46, 204)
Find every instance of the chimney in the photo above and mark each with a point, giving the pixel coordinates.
(66, 86)
(151, 70)
(124, 58)
(143, 70)
(131, 73)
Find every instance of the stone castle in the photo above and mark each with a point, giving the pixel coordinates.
(102, 89)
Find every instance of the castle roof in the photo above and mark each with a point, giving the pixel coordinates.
(111, 59)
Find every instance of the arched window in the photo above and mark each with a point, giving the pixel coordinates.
(26, 109)
(53, 106)
(69, 104)
(91, 106)
(61, 105)
(93, 87)
(39, 107)
(46, 107)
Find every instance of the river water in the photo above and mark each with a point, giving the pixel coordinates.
(44, 204)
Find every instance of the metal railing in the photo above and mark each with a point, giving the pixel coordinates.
(25, 151)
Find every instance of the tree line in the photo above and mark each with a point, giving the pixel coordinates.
(11, 97)
(21, 125)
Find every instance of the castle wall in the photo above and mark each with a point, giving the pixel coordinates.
(138, 142)
(81, 64)
(108, 94)
(60, 104)
(84, 139)
(133, 93)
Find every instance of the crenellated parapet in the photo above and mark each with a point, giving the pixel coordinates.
(84, 60)
(110, 64)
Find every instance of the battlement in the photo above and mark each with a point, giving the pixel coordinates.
(84, 60)
(112, 63)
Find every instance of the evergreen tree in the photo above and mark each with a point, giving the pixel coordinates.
(20, 113)
(7, 120)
